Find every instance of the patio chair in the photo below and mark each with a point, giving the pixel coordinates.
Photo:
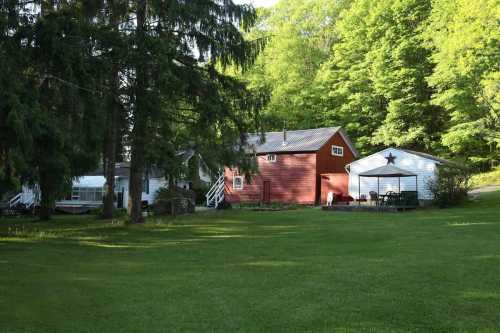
(373, 197)
(391, 198)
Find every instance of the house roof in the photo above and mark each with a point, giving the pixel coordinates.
(387, 171)
(309, 140)
(122, 169)
(417, 153)
(428, 156)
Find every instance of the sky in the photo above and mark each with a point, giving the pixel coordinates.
(258, 3)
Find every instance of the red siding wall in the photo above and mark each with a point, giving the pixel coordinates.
(334, 182)
(326, 163)
(292, 177)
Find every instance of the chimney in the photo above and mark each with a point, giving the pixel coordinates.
(284, 137)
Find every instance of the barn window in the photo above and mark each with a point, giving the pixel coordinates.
(271, 157)
(337, 150)
(238, 182)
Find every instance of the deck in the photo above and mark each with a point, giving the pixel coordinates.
(367, 208)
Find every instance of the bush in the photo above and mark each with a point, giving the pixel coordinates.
(96, 211)
(224, 205)
(200, 194)
(117, 212)
(450, 186)
(174, 201)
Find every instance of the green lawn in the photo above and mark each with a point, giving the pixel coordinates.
(303, 270)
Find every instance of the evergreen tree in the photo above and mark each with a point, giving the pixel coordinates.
(18, 95)
(113, 44)
(176, 48)
(67, 127)
(53, 123)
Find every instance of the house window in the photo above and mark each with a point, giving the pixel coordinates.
(75, 193)
(271, 157)
(337, 150)
(238, 182)
(87, 194)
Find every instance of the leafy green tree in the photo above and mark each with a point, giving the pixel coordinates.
(375, 81)
(463, 36)
(300, 35)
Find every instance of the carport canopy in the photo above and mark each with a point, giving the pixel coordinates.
(386, 171)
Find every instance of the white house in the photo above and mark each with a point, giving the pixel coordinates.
(87, 191)
(423, 165)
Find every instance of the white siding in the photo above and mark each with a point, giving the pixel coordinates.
(154, 185)
(423, 167)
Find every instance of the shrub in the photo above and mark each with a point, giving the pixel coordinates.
(450, 187)
(120, 212)
(117, 212)
(200, 194)
(96, 211)
(224, 205)
(174, 201)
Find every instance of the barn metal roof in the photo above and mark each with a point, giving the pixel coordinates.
(309, 140)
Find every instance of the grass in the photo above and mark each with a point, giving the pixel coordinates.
(488, 178)
(245, 271)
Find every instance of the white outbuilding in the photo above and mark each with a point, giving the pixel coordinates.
(423, 166)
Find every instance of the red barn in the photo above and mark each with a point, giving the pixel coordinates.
(294, 167)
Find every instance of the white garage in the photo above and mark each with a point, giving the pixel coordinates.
(423, 166)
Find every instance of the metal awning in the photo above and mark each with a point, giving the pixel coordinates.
(387, 171)
(89, 181)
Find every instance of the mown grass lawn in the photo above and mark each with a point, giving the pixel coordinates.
(303, 270)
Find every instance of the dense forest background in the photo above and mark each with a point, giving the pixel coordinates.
(421, 74)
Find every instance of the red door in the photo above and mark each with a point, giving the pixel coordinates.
(266, 195)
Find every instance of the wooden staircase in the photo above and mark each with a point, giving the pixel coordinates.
(215, 195)
(21, 203)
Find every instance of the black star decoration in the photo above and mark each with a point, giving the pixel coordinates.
(390, 159)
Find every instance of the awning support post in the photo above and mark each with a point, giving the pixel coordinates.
(359, 190)
(416, 185)
(378, 190)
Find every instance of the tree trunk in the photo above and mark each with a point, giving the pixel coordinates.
(47, 201)
(140, 116)
(111, 132)
(136, 174)
(110, 161)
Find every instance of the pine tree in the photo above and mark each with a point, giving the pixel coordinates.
(177, 47)
(113, 43)
(53, 123)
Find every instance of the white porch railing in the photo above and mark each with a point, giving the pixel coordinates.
(29, 197)
(15, 200)
(216, 193)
